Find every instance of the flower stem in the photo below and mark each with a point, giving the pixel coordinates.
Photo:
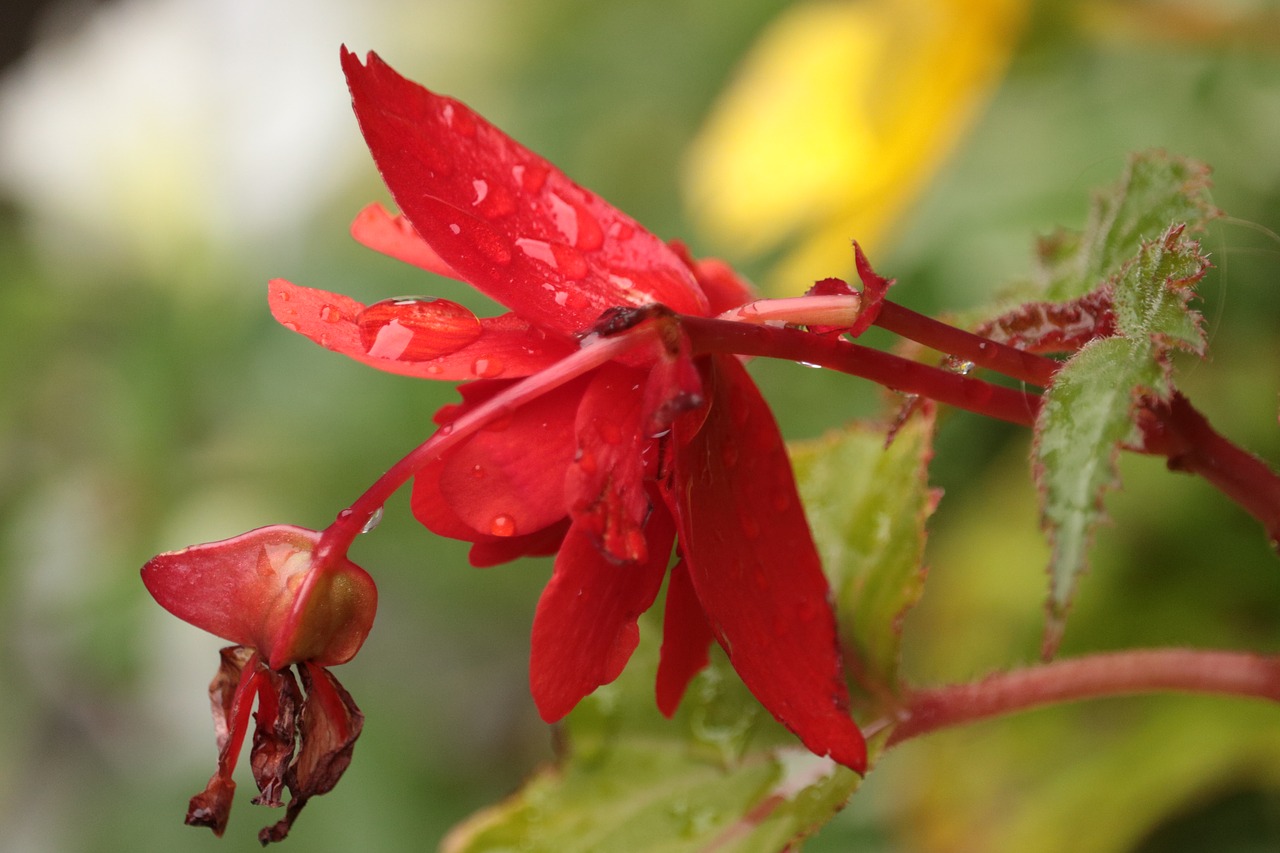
(596, 350)
(1175, 429)
(1110, 674)
(983, 352)
(891, 371)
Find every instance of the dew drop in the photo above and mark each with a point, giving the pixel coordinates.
(481, 188)
(503, 525)
(373, 521)
(416, 328)
(570, 261)
(330, 313)
(477, 472)
(293, 327)
(586, 461)
(487, 368)
(532, 176)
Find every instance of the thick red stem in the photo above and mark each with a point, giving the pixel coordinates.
(1111, 674)
(891, 371)
(983, 352)
(1177, 430)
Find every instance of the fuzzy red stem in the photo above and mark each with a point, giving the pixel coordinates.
(1177, 430)
(983, 352)
(891, 371)
(1095, 676)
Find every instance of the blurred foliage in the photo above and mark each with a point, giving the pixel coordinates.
(149, 402)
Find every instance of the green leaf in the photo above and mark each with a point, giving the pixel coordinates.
(867, 507)
(1087, 414)
(1156, 189)
(722, 774)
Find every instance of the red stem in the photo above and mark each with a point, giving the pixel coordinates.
(1094, 676)
(891, 371)
(1177, 430)
(983, 352)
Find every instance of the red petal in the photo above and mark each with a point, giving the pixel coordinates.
(392, 235)
(493, 551)
(754, 566)
(722, 285)
(585, 627)
(236, 588)
(505, 219)
(686, 638)
(605, 484)
(507, 346)
(509, 479)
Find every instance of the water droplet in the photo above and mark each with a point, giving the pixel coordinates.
(586, 461)
(487, 368)
(503, 525)
(416, 328)
(539, 250)
(532, 176)
(481, 188)
(621, 231)
(477, 472)
(565, 216)
(572, 264)
(459, 119)
(373, 521)
(291, 326)
(330, 313)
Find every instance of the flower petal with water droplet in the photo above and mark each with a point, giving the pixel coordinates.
(332, 320)
(432, 170)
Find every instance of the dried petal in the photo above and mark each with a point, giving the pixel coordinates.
(329, 726)
(274, 734)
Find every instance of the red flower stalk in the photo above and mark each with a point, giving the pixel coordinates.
(609, 463)
(265, 592)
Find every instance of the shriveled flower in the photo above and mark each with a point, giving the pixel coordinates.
(660, 448)
(266, 592)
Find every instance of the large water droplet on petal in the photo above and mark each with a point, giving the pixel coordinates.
(416, 328)
(503, 525)
(487, 368)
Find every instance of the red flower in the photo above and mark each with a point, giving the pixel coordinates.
(264, 592)
(607, 470)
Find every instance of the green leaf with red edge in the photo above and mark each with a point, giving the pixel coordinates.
(722, 774)
(867, 506)
(1088, 413)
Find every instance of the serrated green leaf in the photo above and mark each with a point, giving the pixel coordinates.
(1156, 189)
(867, 507)
(1087, 414)
(722, 774)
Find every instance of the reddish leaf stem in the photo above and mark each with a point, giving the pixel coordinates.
(1110, 674)
(891, 371)
(1177, 430)
(983, 352)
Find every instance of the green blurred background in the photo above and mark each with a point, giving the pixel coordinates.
(160, 160)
